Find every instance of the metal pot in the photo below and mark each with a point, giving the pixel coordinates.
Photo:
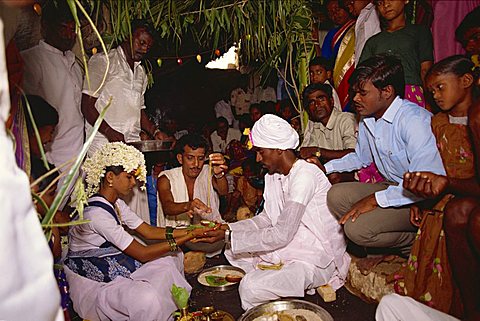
(277, 306)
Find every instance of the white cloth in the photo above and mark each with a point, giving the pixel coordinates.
(28, 287)
(336, 100)
(367, 25)
(137, 200)
(219, 145)
(179, 190)
(261, 94)
(143, 296)
(394, 307)
(57, 78)
(125, 86)
(102, 226)
(271, 131)
(240, 100)
(223, 109)
(295, 215)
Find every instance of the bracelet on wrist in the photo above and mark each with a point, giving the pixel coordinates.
(173, 245)
(169, 233)
(155, 132)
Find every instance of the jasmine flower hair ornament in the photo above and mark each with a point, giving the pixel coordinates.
(113, 154)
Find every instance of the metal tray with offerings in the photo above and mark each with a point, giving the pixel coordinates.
(153, 145)
(221, 277)
(287, 310)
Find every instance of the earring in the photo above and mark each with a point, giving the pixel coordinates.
(110, 184)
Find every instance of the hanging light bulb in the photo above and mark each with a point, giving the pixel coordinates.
(179, 61)
(199, 58)
(159, 62)
(94, 50)
(37, 8)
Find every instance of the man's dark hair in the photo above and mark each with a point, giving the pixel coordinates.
(382, 71)
(56, 12)
(144, 24)
(43, 113)
(327, 89)
(195, 141)
(322, 61)
(222, 120)
(251, 164)
(471, 20)
(257, 106)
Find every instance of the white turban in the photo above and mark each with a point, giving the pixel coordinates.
(271, 131)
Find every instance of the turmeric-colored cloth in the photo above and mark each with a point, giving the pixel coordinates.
(454, 144)
(426, 276)
(249, 193)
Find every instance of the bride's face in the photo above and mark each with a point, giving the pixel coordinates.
(124, 182)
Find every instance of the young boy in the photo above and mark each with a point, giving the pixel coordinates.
(320, 71)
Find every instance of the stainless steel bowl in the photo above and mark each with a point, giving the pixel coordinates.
(277, 306)
(153, 145)
(225, 287)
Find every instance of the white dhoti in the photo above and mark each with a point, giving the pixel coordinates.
(259, 286)
(144, 296)
(394, 307)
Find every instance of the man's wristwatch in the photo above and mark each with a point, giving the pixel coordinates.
(318, 153)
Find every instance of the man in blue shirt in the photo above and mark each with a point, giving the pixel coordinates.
(396, 135)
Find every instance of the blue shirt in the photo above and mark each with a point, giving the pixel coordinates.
(399, 142)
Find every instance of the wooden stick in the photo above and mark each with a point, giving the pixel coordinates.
(209, 182)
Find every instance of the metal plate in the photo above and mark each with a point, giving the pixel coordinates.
(153, 145)
(225, 287)
(277, 306)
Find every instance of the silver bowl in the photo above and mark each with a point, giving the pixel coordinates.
(277, 306)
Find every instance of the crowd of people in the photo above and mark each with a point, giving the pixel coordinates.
(382, 158)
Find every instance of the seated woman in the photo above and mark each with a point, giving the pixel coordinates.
(111, 275)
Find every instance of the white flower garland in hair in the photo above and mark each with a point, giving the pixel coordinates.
(113, 154)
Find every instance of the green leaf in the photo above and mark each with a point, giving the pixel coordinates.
(215, 280)
(180, 296)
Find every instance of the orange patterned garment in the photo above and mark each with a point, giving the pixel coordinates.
(426, 276)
